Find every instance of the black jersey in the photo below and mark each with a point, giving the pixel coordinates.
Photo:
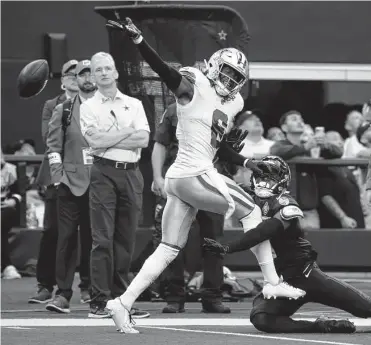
(290, 246)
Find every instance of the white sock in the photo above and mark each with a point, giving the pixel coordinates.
(262, 251)
(151, 269)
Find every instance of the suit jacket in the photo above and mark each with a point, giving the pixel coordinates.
(43, 177)
(71, 169)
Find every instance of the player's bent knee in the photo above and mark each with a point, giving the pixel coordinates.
(252, 220)
(263, 322)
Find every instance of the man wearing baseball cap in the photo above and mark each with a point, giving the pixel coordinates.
(70, 162)
(45, 270)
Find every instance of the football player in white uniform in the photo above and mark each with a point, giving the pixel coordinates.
(206, 106)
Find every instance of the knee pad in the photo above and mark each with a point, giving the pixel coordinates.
(252, 220)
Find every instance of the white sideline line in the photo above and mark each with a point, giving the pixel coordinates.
(254, 336)
(143, 322)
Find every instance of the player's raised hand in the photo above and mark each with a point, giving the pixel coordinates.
(214, 247)
(126, 26)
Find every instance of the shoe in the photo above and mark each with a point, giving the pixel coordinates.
(10, 272)
(59, 304)
(84, 296)
(282, 289)
(97, 311)
(139, 314)
(215, 307)
(120, 316)
(173, 307)
(43, 295)
(326, 325)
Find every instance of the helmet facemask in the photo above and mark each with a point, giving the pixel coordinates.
(275, 179)
(226, 84)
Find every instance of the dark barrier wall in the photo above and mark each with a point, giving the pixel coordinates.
(281, 31)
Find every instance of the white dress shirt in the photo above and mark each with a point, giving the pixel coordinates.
(109, 115)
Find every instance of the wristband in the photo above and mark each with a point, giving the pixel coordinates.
(138, 40)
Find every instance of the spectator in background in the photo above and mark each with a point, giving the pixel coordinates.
(275, 134)
(255, 145)
(45, 269)
(70, 163)
(293, 126)
(352, 146)
(340, 194)
(116, 128)
(10, 200)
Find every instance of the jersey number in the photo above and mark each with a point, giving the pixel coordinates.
(218, 128)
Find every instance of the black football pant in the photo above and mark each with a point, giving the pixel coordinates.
(172, 279)
(73, 221)
(274, 316)
(45, 269)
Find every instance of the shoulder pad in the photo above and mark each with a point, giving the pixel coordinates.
(291, 212)
(190, 73)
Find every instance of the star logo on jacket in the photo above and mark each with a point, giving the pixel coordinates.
(126, 107)
(222, 35)
(265, 208)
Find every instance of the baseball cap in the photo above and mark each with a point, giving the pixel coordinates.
(69, 65)
(82, 65)
(362, 129)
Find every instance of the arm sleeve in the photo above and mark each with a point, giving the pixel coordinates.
(141, 122)
(171, 77)
(286, 150)
(54, 143)
(227, 154)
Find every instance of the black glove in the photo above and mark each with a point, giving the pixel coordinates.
(235, 139)
(126, 26)
(252, 165)
(214, 247)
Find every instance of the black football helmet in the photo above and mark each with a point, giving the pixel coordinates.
(275, 179)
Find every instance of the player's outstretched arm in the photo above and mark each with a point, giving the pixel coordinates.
(180, 86)
(264, 231)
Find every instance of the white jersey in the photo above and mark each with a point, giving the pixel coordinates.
(202, 123)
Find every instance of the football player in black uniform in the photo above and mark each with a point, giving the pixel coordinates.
(296, 260)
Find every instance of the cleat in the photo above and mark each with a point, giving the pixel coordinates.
(121, 317)
(282, 289)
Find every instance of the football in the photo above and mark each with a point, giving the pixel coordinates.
(33, 78)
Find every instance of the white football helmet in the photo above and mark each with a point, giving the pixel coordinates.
(227, 85)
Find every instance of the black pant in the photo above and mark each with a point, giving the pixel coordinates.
(73, 218)
(172, 279)
(273, 316)
(45, 269)
(8, 220)
(115, 206)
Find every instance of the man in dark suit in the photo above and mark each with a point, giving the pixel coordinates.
(70, 162)
(45, 270)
